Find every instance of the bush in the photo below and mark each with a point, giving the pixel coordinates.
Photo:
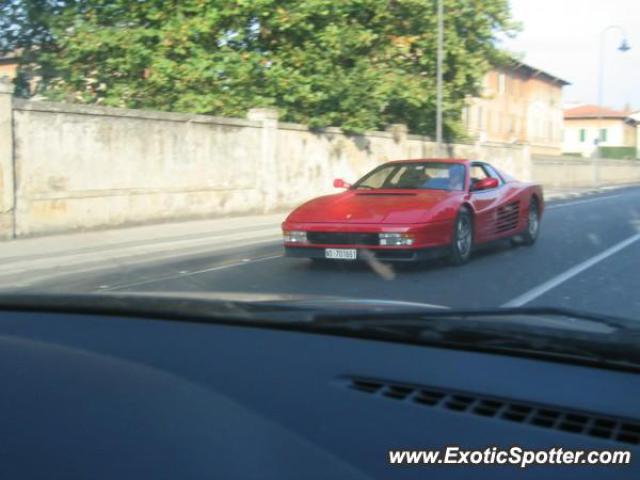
(626, 153)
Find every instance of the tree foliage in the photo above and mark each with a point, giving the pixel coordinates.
(358, 64)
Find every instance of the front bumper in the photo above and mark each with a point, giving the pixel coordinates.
(389, 255)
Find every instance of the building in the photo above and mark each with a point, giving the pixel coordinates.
(587, 127)
(636, 116)
(519, 104)
(9, 64)
(12, 67)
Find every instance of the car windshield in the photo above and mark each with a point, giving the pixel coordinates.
(422, 176)
(479, 156)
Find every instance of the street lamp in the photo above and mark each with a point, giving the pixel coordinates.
(439, 80)
(623, 47)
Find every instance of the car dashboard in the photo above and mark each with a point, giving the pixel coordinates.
(106, 396)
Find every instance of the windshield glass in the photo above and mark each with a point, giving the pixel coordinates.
(288, 149)
(423, 176)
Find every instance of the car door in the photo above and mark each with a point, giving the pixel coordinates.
(485, 202)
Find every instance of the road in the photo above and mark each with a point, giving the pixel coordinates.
(587, 258)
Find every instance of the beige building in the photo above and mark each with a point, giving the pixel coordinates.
(9, 65)
(587, 127)
(636, 116)
(519, 104)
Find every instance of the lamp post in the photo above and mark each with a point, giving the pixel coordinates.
(439, 79)
(623, 47)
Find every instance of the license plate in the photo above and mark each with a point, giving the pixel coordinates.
(341, 253)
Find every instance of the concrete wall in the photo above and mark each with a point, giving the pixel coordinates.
(7, 192)
(84, 167)
(80, 167)
(567, 172)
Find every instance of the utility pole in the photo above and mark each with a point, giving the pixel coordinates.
(439, 80)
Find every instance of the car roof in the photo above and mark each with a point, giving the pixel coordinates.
(434, 160)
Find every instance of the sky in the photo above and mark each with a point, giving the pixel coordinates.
(562, 37)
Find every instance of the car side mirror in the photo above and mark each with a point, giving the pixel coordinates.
(485, 184)
(340, 183)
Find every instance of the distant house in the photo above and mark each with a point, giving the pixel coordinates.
(519, 104)
(589, 127)
(9, 64)
(636, 116)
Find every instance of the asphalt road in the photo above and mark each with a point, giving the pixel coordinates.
(587, 257)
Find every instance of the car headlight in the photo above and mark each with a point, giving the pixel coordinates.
(396, 239)
(294, 236)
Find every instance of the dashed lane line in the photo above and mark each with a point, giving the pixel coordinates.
(186, 274)
(570, 273)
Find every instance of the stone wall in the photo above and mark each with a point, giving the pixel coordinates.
(69, 167)
(570, 172)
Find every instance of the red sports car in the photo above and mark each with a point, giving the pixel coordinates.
(411, 210)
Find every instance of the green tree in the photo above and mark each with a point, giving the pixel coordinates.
(358, 64)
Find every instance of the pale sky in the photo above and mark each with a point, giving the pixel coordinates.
(562, 37)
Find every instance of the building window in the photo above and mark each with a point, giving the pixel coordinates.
(480, 123)
(603, 134)
(583, 134)
(501, 83)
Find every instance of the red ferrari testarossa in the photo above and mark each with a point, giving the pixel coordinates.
(410, 210)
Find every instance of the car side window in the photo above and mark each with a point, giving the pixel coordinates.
(494, 174)
(477, 173)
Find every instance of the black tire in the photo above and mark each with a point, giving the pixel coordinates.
(462, 242)
(530, 234)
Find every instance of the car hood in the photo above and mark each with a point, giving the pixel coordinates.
(379, 206)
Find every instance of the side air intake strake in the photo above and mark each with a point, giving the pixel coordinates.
(553, 418)
(508, 217)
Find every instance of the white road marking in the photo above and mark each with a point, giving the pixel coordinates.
(190, 274)
(568, 274)
(579, 202)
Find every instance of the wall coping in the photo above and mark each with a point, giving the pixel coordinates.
(56, 107)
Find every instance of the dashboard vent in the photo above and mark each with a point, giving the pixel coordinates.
(582, 423)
